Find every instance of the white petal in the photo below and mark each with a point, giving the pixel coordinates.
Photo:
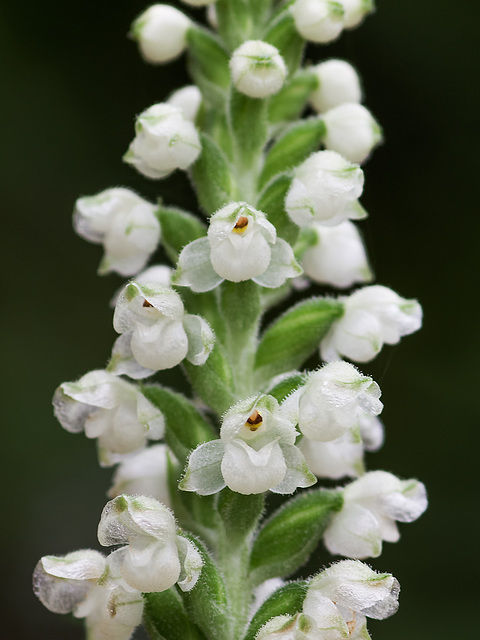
(297, 475)
(203, 473)
(191, 564)
(407, 504)
(152, 568)
(195, 269)
(123, 361)
(354, 532)
(200, 339)
(335, 459)
(282, 266)
(248, 471)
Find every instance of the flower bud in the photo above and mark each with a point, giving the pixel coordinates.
(338, 84)
(318, 20)
(352, 131)
(338, 258)
(188, 99)
(165, 140)
(371, 506)
(372, 316)
(355, 11)
(325, 189)
(257, 69)
(124, 223)
(161, 33)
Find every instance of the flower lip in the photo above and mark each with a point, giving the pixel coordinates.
(241, 225)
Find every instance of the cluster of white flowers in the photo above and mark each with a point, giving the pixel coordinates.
(337, 603)
(294, 426)
(108, 591)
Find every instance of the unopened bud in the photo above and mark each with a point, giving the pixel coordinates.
(161, 33)
(257, 69)
(338, 84)
(318, 20)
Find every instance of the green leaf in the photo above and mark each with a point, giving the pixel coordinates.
(240, 513)
(208, 64)
(282, 33)
(307, 238)
(292, 98)
(165, 618)
(178, 229)
(213, 381)
(213, 178)
(293, 337)
(186, 428)
(299, 141)
(272, 203)
(207, 603)
(287, 600)
(290, 535)
(284, 385)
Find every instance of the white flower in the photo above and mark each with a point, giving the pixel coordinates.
(258, 70)
(87, 584)
(325, 189)
(355, 11)
(165, 140)
(338, 258)
(352, 131)
(161, 33)
(155, 557)
(143, 473)
(318, 20)
(124, 223)
(330, 402)
(256, 452)
(371, 506)
(188, 99)
(373, 316)
(110, 409)
(156, 332)
(241, 245)
(338, 83)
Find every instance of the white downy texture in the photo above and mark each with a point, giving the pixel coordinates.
(371, 506)
(155, 557)
(356, 11)
(188, 99)
(257, 68)
(338, 83)
(110, 409)
(144, 473)
(156, 332)
(161, 33)
(256, 452)
(332, 400)
(318, 21)
(241, 245)
(338, 258)
(352, 131)
(165, 140)
(124, 223)
(325, 189)
(89, 586)
(373, 316)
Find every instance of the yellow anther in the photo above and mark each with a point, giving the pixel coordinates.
(241, 224)
(146, 303)
(254, 421)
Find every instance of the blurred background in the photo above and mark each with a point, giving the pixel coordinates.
(72, 83)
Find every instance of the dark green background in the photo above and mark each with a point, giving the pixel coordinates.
(71, 86)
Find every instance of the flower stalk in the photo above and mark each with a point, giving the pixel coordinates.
(273, 151)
